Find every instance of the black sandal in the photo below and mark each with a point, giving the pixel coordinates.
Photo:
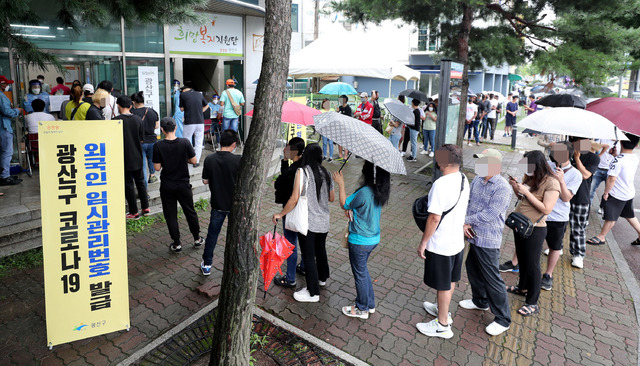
(528, 310)
(516, 290)
(636, 242)
(595, 241)
(283, 281)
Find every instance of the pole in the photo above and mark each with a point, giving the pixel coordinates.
(443, 109)
(514, 132)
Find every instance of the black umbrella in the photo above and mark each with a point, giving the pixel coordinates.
(415, 94)
(563, 100)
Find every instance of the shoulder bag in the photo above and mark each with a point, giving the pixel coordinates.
(421, 207)
(237, 108)
(521, 224)
(298, 219)
(73, 113)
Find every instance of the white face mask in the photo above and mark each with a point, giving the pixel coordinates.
(363, 100)
(176, 88)
(215, 101)
(6, 88)
(430, 109)
(41, 80)
(35, 91)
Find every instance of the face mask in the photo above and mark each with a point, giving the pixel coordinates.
(176, 88)
(482, 169)
(6, 88)
(363, 100)
(215, 101)
(430, 109)
(35, 91)
(41, 80)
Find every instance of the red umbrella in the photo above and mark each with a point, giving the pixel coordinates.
(275, 249)
(623, 112)
(294, 112)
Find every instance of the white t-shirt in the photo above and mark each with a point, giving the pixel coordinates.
(573, 180)
(624, 167)
(449, 237)
(492, 112)
(35, 117)
(606, 158)
(471, 109)
(111, 109)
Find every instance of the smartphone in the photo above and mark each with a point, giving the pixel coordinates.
(473, 233)
(511, 178)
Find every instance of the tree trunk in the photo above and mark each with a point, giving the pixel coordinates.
(463, 57)
(231, 344)
(633, 81)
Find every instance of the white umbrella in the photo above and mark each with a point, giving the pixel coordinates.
(572, 122)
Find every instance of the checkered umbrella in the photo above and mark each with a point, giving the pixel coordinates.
(360, 139)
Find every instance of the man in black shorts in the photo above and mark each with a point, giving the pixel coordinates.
(617, 200)
(442, 244)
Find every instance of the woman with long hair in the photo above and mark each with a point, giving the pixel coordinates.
(429, 129)
(319, 192)
(76, 109)
(365, 205)
(537, 194)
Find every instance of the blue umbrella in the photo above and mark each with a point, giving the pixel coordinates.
(338, 88)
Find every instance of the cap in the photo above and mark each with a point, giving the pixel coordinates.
(88, 87)
(3, 79)
(491, 153)
(167, 122)
(364, 95)
(231, 82)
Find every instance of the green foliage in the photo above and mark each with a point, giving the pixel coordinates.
(140, 225)
(202, 204)
(29, 259)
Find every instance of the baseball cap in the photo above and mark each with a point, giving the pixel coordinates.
(3, 79)
(231, 82)
(88, 87)
(491, 153)
(364, 95)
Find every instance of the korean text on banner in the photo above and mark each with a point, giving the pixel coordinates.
(83, 229)
(148, 84)
(218, 35)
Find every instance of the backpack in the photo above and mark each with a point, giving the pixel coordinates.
(421, 208)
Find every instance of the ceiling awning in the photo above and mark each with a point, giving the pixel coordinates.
(234, 7)
(515, 77)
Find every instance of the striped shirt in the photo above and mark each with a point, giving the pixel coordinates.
(487, 208)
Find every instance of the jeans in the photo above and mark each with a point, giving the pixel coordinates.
(414, 142)
(475, 124)
(313, 247)
(292, 260)
(6, 152)
(325, 142)
(230, 123)
(598, 177)
(485, 127)
(215, 225)
(358, 257)
(197, 131)
(529, 251)
(131, 179)
(147, 154)
(487, 287)
(395, 139)
(429, 138)
(172, 192)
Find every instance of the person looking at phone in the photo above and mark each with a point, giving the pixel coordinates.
(489, 198)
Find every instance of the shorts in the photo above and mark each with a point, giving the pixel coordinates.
(441, 270)
(555, 234)
(508, 123)
(615, 208)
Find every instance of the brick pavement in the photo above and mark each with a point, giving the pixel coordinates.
(588, 318)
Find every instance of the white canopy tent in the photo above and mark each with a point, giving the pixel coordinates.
(341, 53)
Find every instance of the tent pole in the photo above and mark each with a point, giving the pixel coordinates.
(389, 88)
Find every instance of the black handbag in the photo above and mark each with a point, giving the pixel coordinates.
(421, 208)
(521, 224)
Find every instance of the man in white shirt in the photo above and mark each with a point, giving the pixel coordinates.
(442, 244)
(619, 190)
(110, 110)
(38, 115)
(472, 112)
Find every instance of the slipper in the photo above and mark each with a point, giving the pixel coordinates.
(283, 281)
(595, 241)
(528, 310)
(636, 242)
(516, 290)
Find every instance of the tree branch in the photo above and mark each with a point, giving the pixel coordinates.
(512, 18)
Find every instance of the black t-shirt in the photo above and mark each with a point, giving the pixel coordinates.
(416, 115)
(149, 118)
(192, 102)
(590, 162)
(480, 109)
(94, 113)
(346, 110)
(221, 170)
(174, 156)
(133, 135)
(285, 181)
(376, 109)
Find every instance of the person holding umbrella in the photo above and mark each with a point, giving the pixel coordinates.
(415, 129)
(345, 109)
(364, 231)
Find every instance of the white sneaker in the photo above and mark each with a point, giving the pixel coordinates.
(435, 329)
(303, 295)
(402, 153)
(546, 251)
(577, 262)
(495, 329)
(346, 310)
(322, 283)
(470, 305)
(431, 154)
(600, 212)
(432, 309)
(371, 311)
(424, 152)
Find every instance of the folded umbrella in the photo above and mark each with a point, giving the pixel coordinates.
(572, 122)
(415, 94)
(623, 112)
(338, 88)
(563, 100)
(275, 249)
(400, 112)
(294, 112)
(360, 139)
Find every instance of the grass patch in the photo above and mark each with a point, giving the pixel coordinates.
(145, 222)
(29, 259)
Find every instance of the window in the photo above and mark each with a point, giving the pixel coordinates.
(294, 17)
(144, 38)
(133, 83)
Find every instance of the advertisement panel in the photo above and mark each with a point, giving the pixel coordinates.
(219, 35)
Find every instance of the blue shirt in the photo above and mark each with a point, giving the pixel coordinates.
(365, 227)
(487, 209)
(7, 113)
(215, 110)
(513, 107)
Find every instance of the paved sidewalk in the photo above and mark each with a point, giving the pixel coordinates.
(588, 318)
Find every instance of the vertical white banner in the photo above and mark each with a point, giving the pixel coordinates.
(148, 83)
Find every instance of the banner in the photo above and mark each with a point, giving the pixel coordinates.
(219, 35)
(148, 83)
(83, 229)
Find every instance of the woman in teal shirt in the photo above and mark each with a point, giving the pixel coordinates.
(364, 232)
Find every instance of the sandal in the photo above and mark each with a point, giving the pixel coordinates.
(516, 290)
(636, 242)
(354, 312)
(283, 281)
(528, 310)
(595, 241)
